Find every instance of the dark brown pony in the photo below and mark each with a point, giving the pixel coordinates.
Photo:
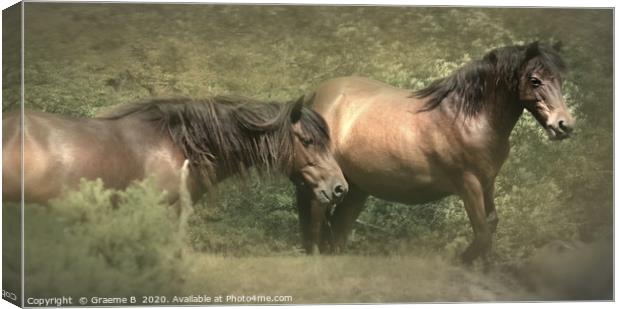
(220, 136)
(450, 138)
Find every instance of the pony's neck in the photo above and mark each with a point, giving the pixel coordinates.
(503, 111)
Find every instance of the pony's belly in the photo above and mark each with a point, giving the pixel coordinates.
(406, 190)
(413, 197)
(391, 164)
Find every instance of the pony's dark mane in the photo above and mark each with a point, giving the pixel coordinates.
(229, 134)
(500, 68)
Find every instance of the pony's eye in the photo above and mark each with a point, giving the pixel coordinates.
(307, 141)
(535, 82)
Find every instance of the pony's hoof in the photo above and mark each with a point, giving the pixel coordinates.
(468, 257)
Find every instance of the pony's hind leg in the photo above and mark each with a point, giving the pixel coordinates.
(345, 214)
(473, 198)
(489, 207)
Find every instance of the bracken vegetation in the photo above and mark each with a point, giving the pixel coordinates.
(554, 199)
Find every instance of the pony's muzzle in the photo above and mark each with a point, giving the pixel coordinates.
(561, 129)
(565, 126)
(332, 194)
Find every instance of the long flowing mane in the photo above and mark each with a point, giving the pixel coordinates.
(225, 134)
(500, 68)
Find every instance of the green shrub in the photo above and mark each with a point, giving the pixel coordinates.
(82, 244)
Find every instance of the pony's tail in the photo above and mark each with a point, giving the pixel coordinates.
(185, 201)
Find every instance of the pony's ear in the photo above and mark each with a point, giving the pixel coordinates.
(491, 57)
(557, 46)
(296, 110)
(532, 50)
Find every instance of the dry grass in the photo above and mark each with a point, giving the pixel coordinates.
(561, 271)
(350, 279)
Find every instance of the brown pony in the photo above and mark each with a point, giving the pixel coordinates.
(450, 138)
(220, 136)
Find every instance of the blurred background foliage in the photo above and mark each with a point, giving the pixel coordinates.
(83, 57)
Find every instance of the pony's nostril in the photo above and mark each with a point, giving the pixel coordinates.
(339, 190)
(564, 127)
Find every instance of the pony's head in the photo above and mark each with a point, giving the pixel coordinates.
(312, 163)
(540, 90)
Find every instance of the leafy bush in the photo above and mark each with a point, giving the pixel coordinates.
(82, 244)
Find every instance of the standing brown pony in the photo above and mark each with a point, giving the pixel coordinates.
(450, 138)
(219, 136)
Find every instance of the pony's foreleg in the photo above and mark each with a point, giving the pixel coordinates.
(473, 197)
(317, 219)
(315, 231)
(345, 215)
(321, 235)
(489, 207)
(304, 199)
